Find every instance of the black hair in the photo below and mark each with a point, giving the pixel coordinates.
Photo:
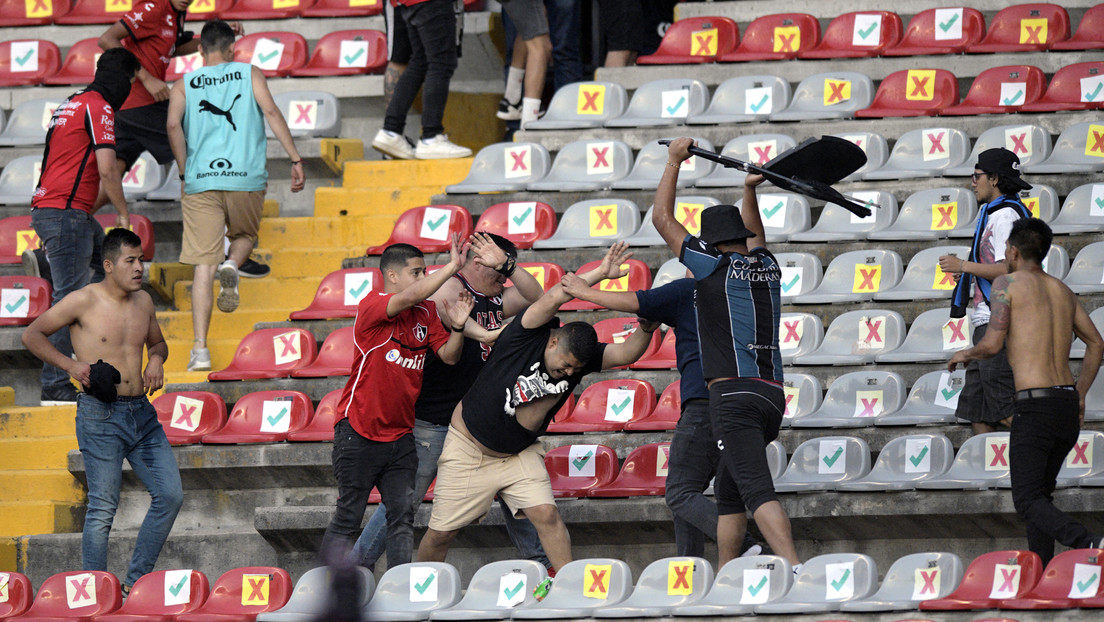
(1005, 185)
(395, 256)
(217, 36)
(1032, 237)
(114, 71)
(507, 246)
(580, 340)
(115, 240)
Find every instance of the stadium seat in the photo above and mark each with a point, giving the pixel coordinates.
(694, 40)
(825, 582)
(346, 53)
(902, 462)
(1087, 271)
(1079, 149)
(16, 235)
(27, 62)
(1024, 28)
(79, 66)
(1070, 578)
(1077, 349)
(931, 401)
(671, 270)
(276, 53)
(583, 587)
(19, 595)
(1042, 200)
(93, 12)
(188, 416)
(504, 167)
(429, 228)
(31, 14)
(242, 594)
(781, 36)
(170, 189)
(19, 179)
(940, 31)
(335, 357)
(204, 10)
(911, 579)
(666, 414)
(663, 103)
(875, 147)
(264, 417)
(139, 224)
(913, 93)
(981, 462)
(585, 166)
(582, 105)
(801, 273)
(413, 591)
(934, 336)
(339, 293)
(547, 274)
(688, 211)
(933, 214)
(856, 337)
(744, 99)
(776, 458)
(1090, 32)
(617, 329)
(521, 222)
(28, 123)
(22, 299)
(740, 585)
(607, 405)
(990, 579)
(183, 65)
(269, 353)
(313, 594)
(856, 400)
(803, 396)
(644, 473)
(1001, 89)
(857, 35)
(344, 8)
(1030, 143)
(321, 426)
(496, 591)
(753, 148)
(261, 9)
(664, 585)
(1082, 211)
(924, 153)
(309, 114)
(639, 277)
(1084, 465)
(855, 276)
(76, 596)
(833, 95)
(575, 469)
(783, 214)
(837, 223)
(161, 595)
(1066, 92)
(798, 333)
(819, 464)
(143, 177)
(648, 168)
(662, 358)
(593, 223)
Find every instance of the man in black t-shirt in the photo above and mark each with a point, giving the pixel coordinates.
(492, 445)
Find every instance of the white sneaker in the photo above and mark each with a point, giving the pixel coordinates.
(439, 148)
(394, 145)
(797, 569)
(753, 550)
(200, 360)
(228, 287)
(508, 111)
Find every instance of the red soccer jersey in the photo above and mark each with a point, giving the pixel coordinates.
(70, 177)
(155, 29)
(386, 376)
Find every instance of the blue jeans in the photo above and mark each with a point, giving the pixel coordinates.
(107, 433)
(72, 239)
(429, 439)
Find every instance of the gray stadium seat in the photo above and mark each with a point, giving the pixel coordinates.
(783, 214)
(753, 148)
(594, 223)
(910, 580)
(799, 333)
(1079, 149)
(819, 464)
(585, 166)
(856, 337)
(803, 396)
(1086, 274)
(833, 95)
(742, 584)
(933, 214)
(144, 176)
(1057, 262)
(904, 461)
(744, 99)
(934, 336)
(932, 400)
(582, 587)
(1042, 200)
(688, 211)
(1094, 400)
(856, 400)
(855, 276)
(663, 103)
(665, 584)
(1077, 348)
(309, 113)
(582, 105)
(652, 159)
(28, 123)
(19, 179)
(1030, 143)
(1082, 211)
(923, 153)
(671, 270)
(776, 458)
(413, 591)
(496, 591)
(312, 596)
(1084, 466)
(923, 278)
(825, 583)
(504, 167)
(875, 147)
(837, 224)
(801, 274)
(170, 188)
(981, 462)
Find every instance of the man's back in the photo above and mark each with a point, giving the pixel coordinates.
(1040, 332)
(224, 130)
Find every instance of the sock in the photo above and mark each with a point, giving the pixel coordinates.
(515, 80)
(530, 106)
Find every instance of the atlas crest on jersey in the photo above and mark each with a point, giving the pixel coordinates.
(420, 332)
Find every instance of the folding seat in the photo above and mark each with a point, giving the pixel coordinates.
(776, 37)
(28, 123)
(981, 462)
(1030, 143)
(143, 177)
(583, 587)
(856, 400)
(31, 13)
(1071, 580)
(309, 114)
(776, 459)
(783, 214)
(753, 148)
(139, 224)
(999, 90)
(932, 214)
(1024, 28)
(1087, 272)
(652, 159)
(1056, 263)
(1094, 401)
(313, 593)
(664, 585)
(904, 461)
(662, 358)
(798, 333)
(671, 270)
(521, 222)
(22, 299)
(335, 357)
(585, 166)
(832, 95)
(1042, 200)
(413, 591)
(688, 211)
(346, 53)
(19, 594)
(593, 223)
(276, 53)
(496, 591)
(581, 105)
(1079, 149)
(858, 35)
(170, 189)
(183, 65)
(504, 167)
(819, 464)
(940, 31)
(1084, 465)
(575, 469)
(694, 40)
(910, 580)
(618, 329)
(261, 9)
(203, 10)
(639, 277)
(801, 274)
(188, 416)
(1082, 211)
(837, 224)
(990, 579)
(607, 405)
(339, 293)
(1077, 349)
(1073, 87)
(742, 584)
(1090, 32)
(644, 473)
(804, 395)
(429, 227)
(547, 274)
(924, 153)
(663, 103)
(934, 336)
(321, 425)
(77, 596)
(161, 595)
(932, 400)
(744, 99)
(264, 417)
(79, 66)
(269, 353)
(855, 276)
(913, 93)
(242, 594)
(856, 337)
(93, 12)
(343, 8)
(667, 412)
(875, 147)
(16, 235)
(27, 62)
(825, 583)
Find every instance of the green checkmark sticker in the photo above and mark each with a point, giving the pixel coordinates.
(830, 460)
(22, 60)
(675, 108)
(175, 589)
(762, 102)
(357, 291)
(947, 25)
(349, 60)
(617, 408)
(510, 592)
(274, 419)
(433, 224)
(1100, 203)
(869, 30)
(424, 585)
(755, 589)
(1011, 101)
(1086, 584)
(1092, 96)
(949, 393)
(522, 217)
(15, 305)
(918, 458)
(840, 582)
(581, 461)
(771, 211)
(786, 287)
(264, 58)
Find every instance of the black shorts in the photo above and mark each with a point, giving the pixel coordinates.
(990, 389)
(143, 129)
(746, 414)
(398, 41)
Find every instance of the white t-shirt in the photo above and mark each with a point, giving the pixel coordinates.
(991, 250)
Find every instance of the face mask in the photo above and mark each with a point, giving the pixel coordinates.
(112, 83)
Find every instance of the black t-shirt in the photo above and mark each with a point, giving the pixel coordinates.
(515, 374)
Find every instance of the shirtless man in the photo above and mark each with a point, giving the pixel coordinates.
(1038, 315)
(111, 321)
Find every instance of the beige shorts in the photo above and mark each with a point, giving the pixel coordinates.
(468, 480)
(210, 216)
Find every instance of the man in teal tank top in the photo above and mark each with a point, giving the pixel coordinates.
(216, 128)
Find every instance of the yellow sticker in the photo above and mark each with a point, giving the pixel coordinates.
(836, 91)
(689, 214)
(1094, 141)
(703, 42)
(596, 580)
(944, 216)
(867, 278)
(537, 272)
(39, 8)
(254, 589)
(1033, 31)
(1032, 204)
(942, 281)
(24, 239)
(616, 285)
(592, 99)
(202, 6)
(680, 577)
(118, 6)
(920, 85)
(284, 4)
(363, 2)
(787, 39)
(603, 220)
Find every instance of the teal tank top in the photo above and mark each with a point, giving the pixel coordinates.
(225, 130)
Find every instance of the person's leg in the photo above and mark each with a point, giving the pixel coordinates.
(563, 28)
(432, 24)
(465, 489)
(732, 517)
(435, 544)
(201, 245)
(398, 50)
(396, 485)
(693, 461)
(357, 463)
(203, 300)
(525, 537)
(103, 444)
(552, 531)
(408, 84)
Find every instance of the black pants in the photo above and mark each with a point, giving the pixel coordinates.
(746, 416)
(432, 28)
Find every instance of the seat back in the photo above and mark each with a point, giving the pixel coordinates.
(309, 113)
(745, 98)
(1025, 28)
(935, 335)
(671, 270)
(1085, 459)
(1002, 89)
(416, 588)
(314, 591)
(833, 95)
(875, 147)
(935, 395)
(67, 595)
(594, 222)
(140, 225)
(1079, 148)
(663, 358)
(143, 177)
(246, 591)
(639, 277)
(270, 353)
(581, 105)
(776, 458)
(750, 581)
(920, 576)
(866, 332)
(28, 123)
(429, 227)
(1073, 574)
(695, 40)
(804, 395)
(166, 593)
(859, 274)
(672, 582)
(825, 461)
(836, 220)
(346, 8)
(183, 65)
(277, 54)
(835, 578)
(924, 153)
(1087, 270)
(16, 236)
(33, 14)
(496, 589)
(618, 329)
(941, 212)
(348, 52)
(992, 577)
(264, 417)
(909, 459)
(783, 214)
(27, 61)
(575, 469)
(321, 426)
(335, 357)
(22, 299)
(584, 585)
(1042, 200)
(203, 10)
(505, 166)
(688, 211)
(643, 473)
(981, 457)
(610, 404)
(801, 273)
(19, 180)
(668, 409)
(913, 92)
(79, 65)
(851, 35)
(923, 277)
(93, 12)
(663, 102)
(187, 416)
(757, 149)
(261, 9)
(340, 292)
(547, 274)
(1073, 87)
(799, 333)
(521, 222)
(586, 165)
(778, 36)
(18, 592)
(652, 158)
(862, 394)
(940, 31)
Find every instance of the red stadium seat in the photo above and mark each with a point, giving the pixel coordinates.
(264, 417)
(913, 93)
(940, 31)
(547, 274)
(1065, 91)
(262, 9)
(339, 293)
(270, 353)
(643, 474)
(858, 35)
(94, 12)
(496, 219)
(188, 416)
(347, 53)
(22, 299)
(429, 228)
(162, 595)
(34, 13)
(276, 53)
(1001, 89)
(1062, 579)
(694, 40)
(27, 62)
(204, 10)
(997, 573)
(563, 414)
(617, 329)
(1090, 32)
(139, 224)
(20, 595)
(776, 37)
(183, 65)
(335, 357)
(79, 66)
(662, 358)
(666, 413)
(575, 469)
(343, 8)
(321, 426)
(76, 596)
(243, 593)
(16, 236)
(639, 277)
(607, 405)
(1024, 28)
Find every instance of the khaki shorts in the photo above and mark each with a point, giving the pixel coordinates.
(468, 480)
(210, 216)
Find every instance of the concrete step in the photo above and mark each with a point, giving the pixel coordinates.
(314, 232)
(395, 172)
(40, 485)
(369, 201)
(35, 453)
(177, 325)
(30, 421)
(256, 293)
(315, 263)
(18, 518)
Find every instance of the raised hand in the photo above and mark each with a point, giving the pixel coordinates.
(458, 252)
(574, 285)
(459, 310)
(486, 252)
(610, 268)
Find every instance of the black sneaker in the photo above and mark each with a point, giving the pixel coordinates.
(253, 269)
(35, 264)
(508, 111)
(59, 395)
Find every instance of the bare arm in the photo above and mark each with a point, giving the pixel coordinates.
(616, 301)
(157, 351)
(178, 100)
(111, 183)
(753, 220)
(631, 349)
(1000, 301)
(36, 336)
(541, 311)
(456, 314)
(526, 291)
(663, 214)
(424, 288)
(1084, 328)
(988, 271)
(113, 38)
(279, 127)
